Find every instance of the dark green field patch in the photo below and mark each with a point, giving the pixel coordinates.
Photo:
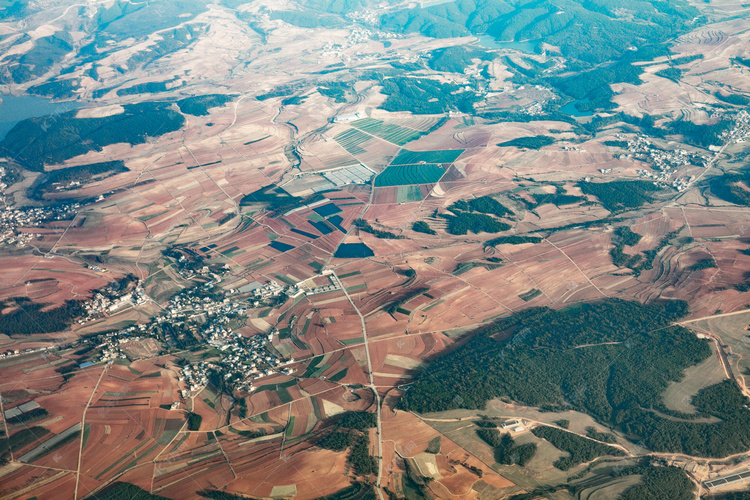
(442, 156)
(404, 175)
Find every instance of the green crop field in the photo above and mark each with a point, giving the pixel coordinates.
(392, 133)
(403, 175)
(405, 194)
(443, 156)
(351, 140)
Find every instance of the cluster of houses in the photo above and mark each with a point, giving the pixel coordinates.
(13, 219)
(111, 342)
(667, 161)
(641, 148)
(29, 350)
(190, 268)
(664, 162)
(205, 311)
(102, 304)
(741, 130)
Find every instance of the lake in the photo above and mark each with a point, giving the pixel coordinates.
(16, 108)
(570, 109)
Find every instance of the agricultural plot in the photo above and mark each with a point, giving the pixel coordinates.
(326, 210)
(404, 175)
(352, 140)
(406, 157)
(387, 131)
(406, 194)
(356, 174)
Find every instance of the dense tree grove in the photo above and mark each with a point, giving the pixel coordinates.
(588, 31)
(456, 58)
(425, 96)
(620, 195)
(36, 142)
(194, 421)
(507, 452)
(357, 491)
(365, 226)
(735, 495)
(127, 491)
(600, 436)
(579, 449)
(731, 435)
(200, 104)
(81, 174)
(336, 441)
(358, 420)
(29, 317)
(731, 187)
(464, 219)
(701, 135)
(483, 204)
(630, 353)
(624, 236)
(351, 431)
(659, 483)
(704, 264)
(512, 240)
(421, 226)
(463, 222)
(534, 142)
(360, 459)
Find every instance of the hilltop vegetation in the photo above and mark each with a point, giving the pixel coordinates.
(507, 452)
(732, 187)
(29, 317)
(319, 13)
(620, 195)
(421, 226)
(81, 175)
(630, 352)
(455, 59)
(483, 204)
(592, 32)
(124, 19)
(49, 140)
(126, 491)
(535, 142)
(199, 105)
(464, 222)
(579, 449)
(425, 96)
(658, 483)
(43, 55)
(463, 218)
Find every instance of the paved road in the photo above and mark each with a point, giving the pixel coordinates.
(372, 387)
